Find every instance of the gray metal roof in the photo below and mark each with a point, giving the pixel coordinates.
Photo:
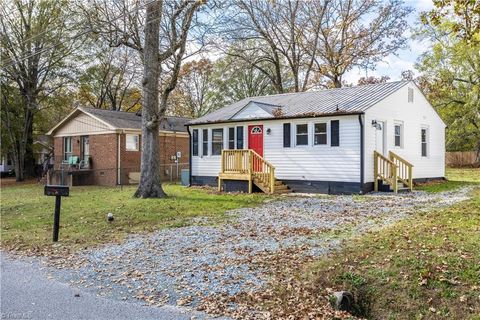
(130, 120)
(314, 103)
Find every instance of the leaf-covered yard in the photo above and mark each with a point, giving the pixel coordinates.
(27, 215)
(424, 267)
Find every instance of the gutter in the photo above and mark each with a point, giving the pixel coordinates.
(362, 152)
(190, 148)
(302, 116)
(119, 163)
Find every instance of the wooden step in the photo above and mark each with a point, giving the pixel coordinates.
(281, 187)
(283, 191)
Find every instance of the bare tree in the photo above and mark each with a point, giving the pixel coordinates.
(355, 33)
(36, 39)
(268, 35)
(161, 47)
(300, 44)
(110, 83)
(195, 92)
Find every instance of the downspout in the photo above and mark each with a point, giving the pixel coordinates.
(362, 152)
(190, 148)
(119, 170)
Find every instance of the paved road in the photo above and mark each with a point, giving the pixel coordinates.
(27, 293)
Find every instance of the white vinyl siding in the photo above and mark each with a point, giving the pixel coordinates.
(82, 124)
(413, 116)
(310, 162)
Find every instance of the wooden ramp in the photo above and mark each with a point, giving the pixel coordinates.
(394, 171)
(247, 165)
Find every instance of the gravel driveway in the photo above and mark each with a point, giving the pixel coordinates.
(183, 266)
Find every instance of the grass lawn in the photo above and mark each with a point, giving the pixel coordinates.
(27, 215)
(456, 177)
(424, 267)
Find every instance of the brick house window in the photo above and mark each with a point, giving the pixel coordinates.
(67, 147)
(132, 142)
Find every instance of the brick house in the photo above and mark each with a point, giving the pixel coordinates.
(103, 147)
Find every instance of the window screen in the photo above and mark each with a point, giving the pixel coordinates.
(302, 134)
(131, 142)
(217, 141)
(320, 136)
(398, 135)
(424, 142)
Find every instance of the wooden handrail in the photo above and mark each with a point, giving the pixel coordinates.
(384, 169)
(250, 164)
(392, 154)
(404, 169)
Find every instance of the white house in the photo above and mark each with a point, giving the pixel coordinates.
(329, 141)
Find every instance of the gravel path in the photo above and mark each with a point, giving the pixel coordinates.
(182, 266)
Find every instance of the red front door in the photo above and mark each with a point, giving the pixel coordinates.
(255, 139)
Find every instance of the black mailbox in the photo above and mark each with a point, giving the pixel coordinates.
(62, 191)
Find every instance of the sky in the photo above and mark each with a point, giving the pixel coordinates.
(392, 66)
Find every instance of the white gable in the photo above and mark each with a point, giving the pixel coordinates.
(82, 124)
(252, 111)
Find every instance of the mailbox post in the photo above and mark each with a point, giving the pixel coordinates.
(58, 192)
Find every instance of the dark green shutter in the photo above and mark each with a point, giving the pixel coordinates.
(195, 142)
(335, 133)
(286, 135)
(239, 137)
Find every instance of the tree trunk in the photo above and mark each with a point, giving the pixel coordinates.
(150, 183)
(29, 159)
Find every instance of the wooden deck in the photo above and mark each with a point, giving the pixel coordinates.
(247, 165)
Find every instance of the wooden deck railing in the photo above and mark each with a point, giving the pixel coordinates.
(391, 170)
(404, 169)
(235, 161)
(247, 165)
(384, 169)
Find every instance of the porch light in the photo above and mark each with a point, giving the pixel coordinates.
(269, 131)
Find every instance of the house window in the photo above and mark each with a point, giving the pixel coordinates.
(320, 135)
(398, 132)
(231, 138)
(132, 142)
(217, 141)
(410, 95)
(205, 142)
(424, 137)
(239, 137)
(195, 142)
(67, 147)
(302, 135)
